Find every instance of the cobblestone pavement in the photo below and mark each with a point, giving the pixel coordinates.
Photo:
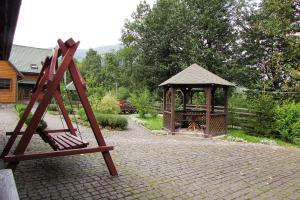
(159, 167)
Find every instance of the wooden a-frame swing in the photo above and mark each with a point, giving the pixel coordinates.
(48, 86)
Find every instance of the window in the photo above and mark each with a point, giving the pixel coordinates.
(5, 83)
(34, 66)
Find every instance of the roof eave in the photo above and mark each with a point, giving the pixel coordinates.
(200, 84)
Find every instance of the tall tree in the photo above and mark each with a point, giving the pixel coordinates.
(269, 44)
(91, 68)
(176, 33)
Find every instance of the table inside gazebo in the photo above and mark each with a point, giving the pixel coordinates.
(193, 118)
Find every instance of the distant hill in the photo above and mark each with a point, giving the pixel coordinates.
(80, 53)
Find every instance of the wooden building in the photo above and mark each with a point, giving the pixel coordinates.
(18, 75)
(181, 112)
(28, 61)
(9, 76)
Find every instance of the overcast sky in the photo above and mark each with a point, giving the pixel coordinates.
(93, 22)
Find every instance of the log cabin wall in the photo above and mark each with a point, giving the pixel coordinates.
(8, 72)
(30, 77)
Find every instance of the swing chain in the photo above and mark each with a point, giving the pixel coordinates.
(72, 111)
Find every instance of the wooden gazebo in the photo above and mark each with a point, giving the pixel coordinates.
(182, 113)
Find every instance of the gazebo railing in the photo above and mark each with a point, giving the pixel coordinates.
(167, 120)
(218, 123)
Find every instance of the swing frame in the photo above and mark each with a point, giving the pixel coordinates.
(48, 85)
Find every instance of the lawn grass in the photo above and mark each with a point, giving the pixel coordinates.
(153, 123)
(240, 134)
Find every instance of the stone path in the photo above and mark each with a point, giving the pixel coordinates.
(159, 167)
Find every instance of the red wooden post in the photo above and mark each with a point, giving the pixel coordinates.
(53, 64)
(88, 110)
(42, 80)
(52, 87)
(173, 110)
(44, 69)
(208, 110)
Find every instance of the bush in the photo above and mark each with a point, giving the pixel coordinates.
(69, 109)
(82, 114)
(123, 93)
(52, 107)
(153, 113)
(287, 121)
(108, 105)
(42, 125)
(142, 102)
(95, 102)
(20, 107)
(112, 121)
(264, 121)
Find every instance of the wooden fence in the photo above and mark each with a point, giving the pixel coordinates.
(238, 117)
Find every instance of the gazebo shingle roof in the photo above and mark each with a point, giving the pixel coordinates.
(196, 75)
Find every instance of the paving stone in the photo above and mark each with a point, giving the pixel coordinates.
(157, 167)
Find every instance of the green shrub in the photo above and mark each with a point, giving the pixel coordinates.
(20, 107)
(153, 113)
(52, 107)
(81, 114)
(42, 125)
(123, 93)
(112, 121)
(108, 105)
(287, 121)
(69, 109)
(95, 102)
(142, 102)
(263, 123)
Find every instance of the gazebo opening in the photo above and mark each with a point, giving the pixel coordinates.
(196, 99)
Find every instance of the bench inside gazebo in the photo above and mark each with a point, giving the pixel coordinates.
(183, 90)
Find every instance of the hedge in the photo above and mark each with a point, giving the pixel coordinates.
(52, 107)
(111, 120)
(20, 108)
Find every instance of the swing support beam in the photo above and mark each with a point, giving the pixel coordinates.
(48, 84)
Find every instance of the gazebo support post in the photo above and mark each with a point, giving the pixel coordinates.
(208, 110)
(184, 91)
(213, 91)
(226, 107)
(165, 98)
(173, 91)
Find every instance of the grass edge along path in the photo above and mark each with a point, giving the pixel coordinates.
(239, 135)
(152, 123)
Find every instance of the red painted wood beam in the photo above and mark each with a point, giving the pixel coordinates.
(33, 99)
(76, 77)
(52, 87)
(22, 157)
(46, 131)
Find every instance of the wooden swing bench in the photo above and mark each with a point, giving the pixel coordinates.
(63, 141)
